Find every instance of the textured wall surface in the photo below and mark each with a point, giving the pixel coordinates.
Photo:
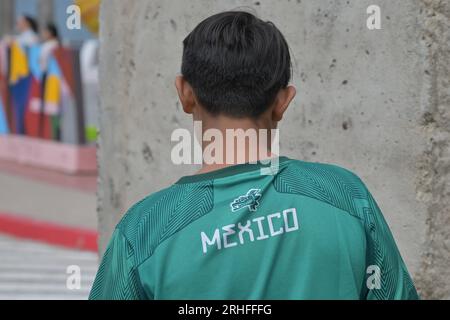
(374, 101)
(433, 183)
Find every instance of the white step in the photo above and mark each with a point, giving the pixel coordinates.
(31, 270)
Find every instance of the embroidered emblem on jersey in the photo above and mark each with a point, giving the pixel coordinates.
(250, 200)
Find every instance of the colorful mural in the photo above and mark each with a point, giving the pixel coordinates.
(4, 128)
(44, 103)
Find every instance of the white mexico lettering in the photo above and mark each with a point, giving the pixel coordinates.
(260, 228)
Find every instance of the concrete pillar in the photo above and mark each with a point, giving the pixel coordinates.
(433, 175)
(374, 101)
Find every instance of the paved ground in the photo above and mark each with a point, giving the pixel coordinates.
(33, 270)
(30, 270)
(48, 196)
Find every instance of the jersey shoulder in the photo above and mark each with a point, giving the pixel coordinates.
(160, 215)
(328, 183)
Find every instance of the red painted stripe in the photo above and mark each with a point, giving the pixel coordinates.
(51, 233)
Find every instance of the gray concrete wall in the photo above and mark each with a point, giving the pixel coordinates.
(374, 101)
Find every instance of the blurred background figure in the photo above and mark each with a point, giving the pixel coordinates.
(50, 41)
(28, 29)
(89, 64)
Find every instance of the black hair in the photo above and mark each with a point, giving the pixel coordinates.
(53, 30)
(32, 23)
(236, 64)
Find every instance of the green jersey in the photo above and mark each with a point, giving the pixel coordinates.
(307, 231)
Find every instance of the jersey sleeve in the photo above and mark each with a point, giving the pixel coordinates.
(387, 277)
(117, 278)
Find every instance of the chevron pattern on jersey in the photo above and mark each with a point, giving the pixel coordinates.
(157, 218)
(327, 183)
(117, 288)
(342, 189)
(386, 256)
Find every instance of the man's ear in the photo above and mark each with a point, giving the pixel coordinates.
(282, 101)
(186, 94)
